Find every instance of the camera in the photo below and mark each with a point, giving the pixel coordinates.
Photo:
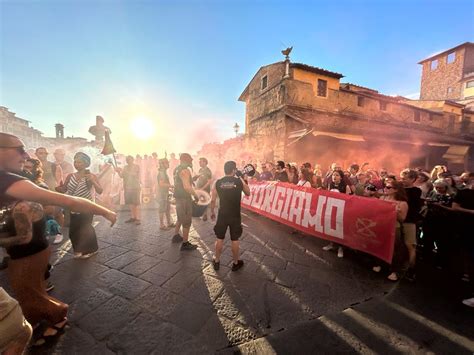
(371, 187)
(248, 170)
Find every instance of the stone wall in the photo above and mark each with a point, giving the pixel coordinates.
(435, 83)
(338, 101)
(269, 134)
(261, 102)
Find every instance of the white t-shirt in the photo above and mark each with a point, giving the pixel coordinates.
(303, 183)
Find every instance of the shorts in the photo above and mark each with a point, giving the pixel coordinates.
(184, 211)
(409, 233)
(234, 224)
(13, 326)
(132, 197)
(163, 205)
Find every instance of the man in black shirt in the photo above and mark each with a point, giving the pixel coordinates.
(281, 174)
(229, 190)
(415, 203)
(464, 203)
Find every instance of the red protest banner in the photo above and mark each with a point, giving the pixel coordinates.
(360, 223)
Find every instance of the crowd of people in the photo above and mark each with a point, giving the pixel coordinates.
(434, 213)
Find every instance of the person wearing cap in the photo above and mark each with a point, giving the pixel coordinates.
(183, 193)
(22, 234)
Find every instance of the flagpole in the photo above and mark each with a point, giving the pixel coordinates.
(115, 160)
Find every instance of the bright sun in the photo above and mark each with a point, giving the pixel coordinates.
(142, 128)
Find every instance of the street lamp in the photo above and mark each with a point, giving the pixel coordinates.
(236, 129)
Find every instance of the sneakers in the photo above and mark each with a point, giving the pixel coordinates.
(58, 239)
(340, 252)
(237, 266)
(328, 247)
(216, 264)
(177, 238)
(377, 269)
(49, 287)
(469, 302)
(87, 256)
(393, 276)
(188, 246)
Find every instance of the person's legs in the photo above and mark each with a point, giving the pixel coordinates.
(132, 212)
(168, 214)
(186, 234)
(137, 212)
(162, 219)
(74, 233)
(219, 246)
(235, 233)
(235, 244)
(409, 230)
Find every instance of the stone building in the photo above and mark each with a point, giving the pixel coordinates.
(11, 123)
(449, 75)
(33, 138)
(297, 112)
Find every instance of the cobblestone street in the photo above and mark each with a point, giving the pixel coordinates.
(142, 295)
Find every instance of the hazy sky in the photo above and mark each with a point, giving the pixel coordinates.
(183, 64)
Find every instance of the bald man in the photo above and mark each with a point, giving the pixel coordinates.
(66, 167)
(17, 191)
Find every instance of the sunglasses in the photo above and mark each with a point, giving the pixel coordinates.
(21, 150)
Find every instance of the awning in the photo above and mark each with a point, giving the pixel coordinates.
(456, 154)
(349, 137)
(299, 134)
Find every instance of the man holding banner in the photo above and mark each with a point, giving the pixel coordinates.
(229, 190)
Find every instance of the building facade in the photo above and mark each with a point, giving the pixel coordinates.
(10, 123)
(296, 112)
(449, 75)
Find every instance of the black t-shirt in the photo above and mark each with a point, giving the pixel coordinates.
(6, 180)
(229, 189)
(281, 176)
(465, 199)
(414, 204)
(38, 241)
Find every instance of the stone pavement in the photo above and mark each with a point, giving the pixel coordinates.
(142, 295)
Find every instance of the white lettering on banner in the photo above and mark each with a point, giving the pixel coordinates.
(278, 201)
(338, 205)
(246, 200)
(316, 220)
(258, 196)
(289, 195)
(296, 207)
(267, 200)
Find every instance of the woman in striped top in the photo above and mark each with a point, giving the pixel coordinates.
(80, 184)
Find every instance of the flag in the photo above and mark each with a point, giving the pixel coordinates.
(108, 146)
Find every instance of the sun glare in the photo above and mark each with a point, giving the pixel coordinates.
(142, 128)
